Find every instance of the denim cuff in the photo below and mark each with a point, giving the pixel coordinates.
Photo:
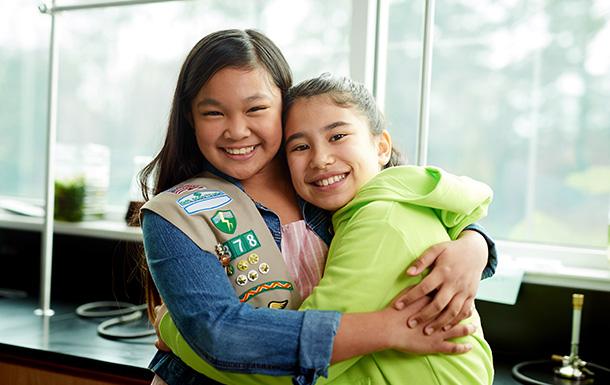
(316, 345)
(175, 372)
(492, 256)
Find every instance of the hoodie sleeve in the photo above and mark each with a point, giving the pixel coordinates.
(458, 201)
(461, 200)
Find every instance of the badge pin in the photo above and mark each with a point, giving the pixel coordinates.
(222, 255)
(253, 258)
(241, 280)
(242, 265)
(263, 268)
(253, 275)
(230, 270)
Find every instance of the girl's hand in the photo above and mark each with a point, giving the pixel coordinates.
(413, 340)
(457, 267)
(159, 343)
(369, 332)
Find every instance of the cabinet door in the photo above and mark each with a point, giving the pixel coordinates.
(20, 371)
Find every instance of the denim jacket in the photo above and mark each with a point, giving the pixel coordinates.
(230, 335)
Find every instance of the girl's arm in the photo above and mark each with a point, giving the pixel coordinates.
(358, 334)
(457, 266)
(456, 269)
(194, 286)
(360, 274)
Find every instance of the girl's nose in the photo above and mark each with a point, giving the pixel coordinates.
(237, 129)
(321, 159)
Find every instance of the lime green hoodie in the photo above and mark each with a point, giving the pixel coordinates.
(392, 220)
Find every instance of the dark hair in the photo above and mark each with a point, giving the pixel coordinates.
(346, 93)
(180, 157)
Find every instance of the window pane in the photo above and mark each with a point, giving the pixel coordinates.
(519, 100)
(404, 53)
(24, 52)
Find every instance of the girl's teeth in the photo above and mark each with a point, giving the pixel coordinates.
(240, 151)
(329, 181)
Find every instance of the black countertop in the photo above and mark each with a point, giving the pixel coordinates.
(67, 339)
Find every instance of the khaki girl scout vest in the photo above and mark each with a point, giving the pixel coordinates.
(221, 219)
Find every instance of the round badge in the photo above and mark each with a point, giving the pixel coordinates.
(263, 268)
(242, 265)
(252, 275)
(230, 270)
(241, 280)
(253, 258)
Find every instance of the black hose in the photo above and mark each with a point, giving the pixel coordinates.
(523, 378)
(100, 309)
(127, 313)
(595, 366)
(527, 380)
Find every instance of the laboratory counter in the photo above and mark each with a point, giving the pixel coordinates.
(66, 349)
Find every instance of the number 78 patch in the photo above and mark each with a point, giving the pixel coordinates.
(241, 244)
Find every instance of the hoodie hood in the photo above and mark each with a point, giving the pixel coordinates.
(458, 201)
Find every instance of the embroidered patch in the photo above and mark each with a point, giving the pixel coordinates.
(203, 200)
(278, 304)
(264, 287)
(184, 188)
(225, 221)
(241, 244)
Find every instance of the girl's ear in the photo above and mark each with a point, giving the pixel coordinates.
(384, 147)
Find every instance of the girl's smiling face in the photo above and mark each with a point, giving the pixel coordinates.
(331, 151)
(237, 120)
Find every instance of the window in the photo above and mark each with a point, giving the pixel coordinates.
(118, 67)
(519, 99)
(24, 49)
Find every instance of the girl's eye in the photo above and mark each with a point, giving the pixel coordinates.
(302, 147)
(254, 109)
(212, 113)
(336, 137)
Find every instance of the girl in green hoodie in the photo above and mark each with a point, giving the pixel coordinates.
(337, 145)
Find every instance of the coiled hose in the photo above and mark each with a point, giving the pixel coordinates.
(516, 371)
(124, 313)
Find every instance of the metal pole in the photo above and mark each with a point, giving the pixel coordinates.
(424, 96)
(77, 7)
(362, 42)
(46, 259)
(47, 230)
(379, 90)
(577, 302)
